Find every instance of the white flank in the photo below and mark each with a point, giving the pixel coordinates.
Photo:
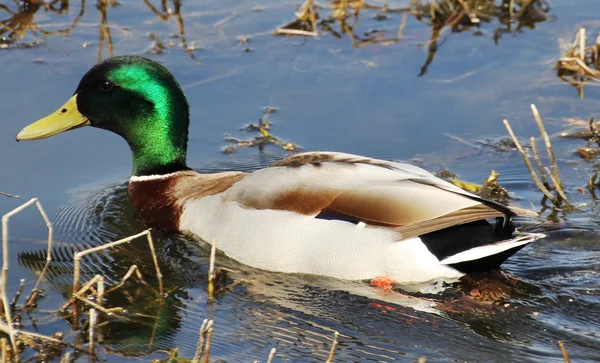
(492, 249)
(289, 242)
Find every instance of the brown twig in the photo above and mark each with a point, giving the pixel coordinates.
(5, 218)
(271, 355)
(555, 182)
(13, 304)
(538, 120)
(400, 32)
(80, 292)
(336, 336)
(593, 131)
(114, 312)
(130, 272)
(78, 255)
(4, 346)
(534, 176)
(538, 162)
(200, 347)
(581, 36)
(66, 358)
(155, 260)
(10, 195)
(211, 272)
(92, 330)
(592, 183)
(564, 351)
(4, 328)
(209, 330)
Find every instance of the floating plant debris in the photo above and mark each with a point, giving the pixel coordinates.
(263, 138)
(581, 63)
(490, 189)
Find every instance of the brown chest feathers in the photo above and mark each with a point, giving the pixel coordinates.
(160, 200)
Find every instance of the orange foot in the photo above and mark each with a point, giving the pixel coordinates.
(383, 282)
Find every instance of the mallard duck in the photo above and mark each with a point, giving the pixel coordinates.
(323, 213)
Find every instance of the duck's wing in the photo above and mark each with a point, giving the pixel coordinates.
(378, 193)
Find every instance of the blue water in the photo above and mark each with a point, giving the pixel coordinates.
(329, 96)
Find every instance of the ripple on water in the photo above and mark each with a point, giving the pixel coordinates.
(548, 294)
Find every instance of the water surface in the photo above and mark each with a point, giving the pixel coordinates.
(329, 96)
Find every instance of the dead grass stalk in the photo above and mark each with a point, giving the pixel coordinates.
(552, 173)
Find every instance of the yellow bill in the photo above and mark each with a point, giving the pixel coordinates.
(65, 118)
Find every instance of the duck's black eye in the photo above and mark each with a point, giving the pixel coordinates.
(106, 86)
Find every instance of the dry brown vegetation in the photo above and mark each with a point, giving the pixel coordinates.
(86, 310)
(581, 63)
(264, 137)
(339, 17)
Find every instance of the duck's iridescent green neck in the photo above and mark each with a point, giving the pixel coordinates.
(156, 151)
(158, 133)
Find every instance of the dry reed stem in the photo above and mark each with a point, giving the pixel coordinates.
(13, 304)
(538, 162)
(99, 280)
(200, 347)
(211, 272)
(563, 349)
(313, 18)
(581, 36)
(4, 293)
(209, 330)
(271, 355)
(49, 251)
(92, 330)
(576, 63)
(295, 32)
(83, 289)
(595, 135)
(66, 358)
(234, 284)
(592, 72)
(534, 176)
(100, 298)
(336, 336)
(155, 260)
(4, 328)
(100, 290)
(400, 32)
(307, 8)
(110, 312)
(555, 182)
(4, 350)
(130, 272)
(78, 255)
(10, 195)
(556, 174)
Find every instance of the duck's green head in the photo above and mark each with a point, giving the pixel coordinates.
(133, 97)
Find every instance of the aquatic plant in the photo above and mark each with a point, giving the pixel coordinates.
(581, 63)
(455, 16)
(547, 180)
